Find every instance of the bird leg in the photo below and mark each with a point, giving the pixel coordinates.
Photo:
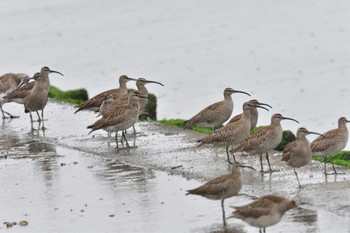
(133, 127)
(39, 119)
(116, 140)
(126, 141)
(228, 157)
(268, 161)
(296, 174)
(223, 212)
(261, 165)
(42, 118)
(335, 171)
(4, 112)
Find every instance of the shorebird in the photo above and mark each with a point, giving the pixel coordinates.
(19, 94)
(122, 118)
(215, 114)
(9, 82)
(107, 103)
(332, 142)
(222, 187)
(265, 140)
(38, 96)
(142, 90)
(254, 114)
(265, 211)
(95, 102)
(298, 153)
(233, 134)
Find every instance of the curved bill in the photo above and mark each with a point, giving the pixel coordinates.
(310, 132)
(258, 106)
(53, 71)
(264, 104)
(291, 119)
(243, 92)
(155, 82)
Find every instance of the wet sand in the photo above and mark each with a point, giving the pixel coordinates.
(63, 180)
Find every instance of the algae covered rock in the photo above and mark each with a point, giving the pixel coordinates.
(287, 137)
(151, 108)
(72, 96)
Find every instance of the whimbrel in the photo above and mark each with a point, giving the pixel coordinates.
(265, 140)
(222, 187)
(142, 90)
(8, 83)
(332, 142)
(233, 134)
(298, 153)
(253, 114)
(38, 96)
(95, 102)
(215, 114)
(265, 211)
(122, 118)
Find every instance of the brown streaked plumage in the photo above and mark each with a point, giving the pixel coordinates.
(95, 102)
(233, 134)
(9, 82)
(215, 114)
(298, 153)
(265, 140)
(122, 118)
(265, 211)
(254, 114)
(332, 142)
(222, 187)
(38, 96)
(20, 94)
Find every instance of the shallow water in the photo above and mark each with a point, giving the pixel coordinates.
(292, 55)
(61, 180)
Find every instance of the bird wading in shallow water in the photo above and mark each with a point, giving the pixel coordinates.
(122, 118)
(234, 133)
(331, 142)
(95, 102)
(298, 153)
(265, 140)
(265, 211)
(215, 114)
(222, 187)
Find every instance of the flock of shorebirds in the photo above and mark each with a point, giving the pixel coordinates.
(120, 110)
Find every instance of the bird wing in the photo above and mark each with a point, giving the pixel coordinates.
(254, 140)
(20, 93)
(207, 114)
(213, 187)
(5, 81)
(288, 150)
(235, 118)
(251, 212)
(96, 101)
(119, 117)
(322, 143)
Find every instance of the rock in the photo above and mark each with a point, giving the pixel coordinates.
(72, 96)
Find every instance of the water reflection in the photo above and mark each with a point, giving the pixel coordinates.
(115, 171)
